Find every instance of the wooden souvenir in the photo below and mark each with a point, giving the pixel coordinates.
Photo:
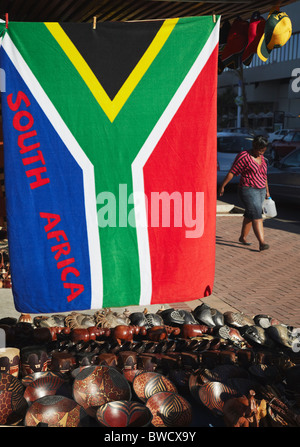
(33, 359)
(54, 411)
(13, 405)
(149, 383)
(169, 410)
(10, 361)
(46, 386)
(96, 385)
(124, 414)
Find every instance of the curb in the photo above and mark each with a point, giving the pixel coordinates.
(227, 209)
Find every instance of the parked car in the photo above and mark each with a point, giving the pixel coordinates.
(281, 148)
(277, 135)
(228, 146)
(243, 130)
(284, 178)
(262, 131)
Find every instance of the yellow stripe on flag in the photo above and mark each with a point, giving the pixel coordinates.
(111, 107)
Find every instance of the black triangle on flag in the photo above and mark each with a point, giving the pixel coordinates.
(112, 50)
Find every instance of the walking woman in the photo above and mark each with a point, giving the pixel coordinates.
(253, 188)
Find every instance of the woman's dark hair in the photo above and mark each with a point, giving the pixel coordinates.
(259, 142)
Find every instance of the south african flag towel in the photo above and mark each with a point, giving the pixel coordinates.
(110, 162)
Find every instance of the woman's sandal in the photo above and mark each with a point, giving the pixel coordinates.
(264, 247)
(244, 242)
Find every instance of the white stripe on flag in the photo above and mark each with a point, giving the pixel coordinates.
(145, 152)
(80, 157)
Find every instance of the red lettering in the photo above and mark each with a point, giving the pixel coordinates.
(30, 160)
(62, 249)
(15, 105)
(62, 264)
(53, 220)
(76, 289)
(39, 180)
(17, 120)
(68, 270)
(23, 137)
(57, 235)
(23, 127)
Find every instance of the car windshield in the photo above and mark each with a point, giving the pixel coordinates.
(234, 144)
(292, 136)
(292, 160)
(296, 136)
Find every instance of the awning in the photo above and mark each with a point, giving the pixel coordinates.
(125, 10)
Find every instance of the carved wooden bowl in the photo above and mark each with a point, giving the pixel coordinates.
(13, 406)
(54, 411)
(148, 383)
(96, 385)
(220, 373)
(48, 385)
(169, 410)
(130, 374)
(76, 371)
(214, 394)
(40, 374)
(124, 414)
(197, 379)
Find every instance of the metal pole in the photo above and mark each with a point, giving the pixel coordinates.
(239, 107)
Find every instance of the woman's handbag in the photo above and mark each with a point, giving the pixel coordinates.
(269, 207)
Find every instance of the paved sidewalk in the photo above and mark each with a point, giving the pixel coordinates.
(246, 280)
(259, 282)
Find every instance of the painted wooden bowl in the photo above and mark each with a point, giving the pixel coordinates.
(38, 375)
(54, 411)
(148, 383)
(214, 394)
(130, 374)
(221, 373)
(196, 379)
(169, 410)
(96, 385)
(124, 414)
(48, 385)
(13, 406)
(76, 371)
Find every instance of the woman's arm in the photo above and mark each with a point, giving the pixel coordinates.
(267, 189)
(226, 180)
